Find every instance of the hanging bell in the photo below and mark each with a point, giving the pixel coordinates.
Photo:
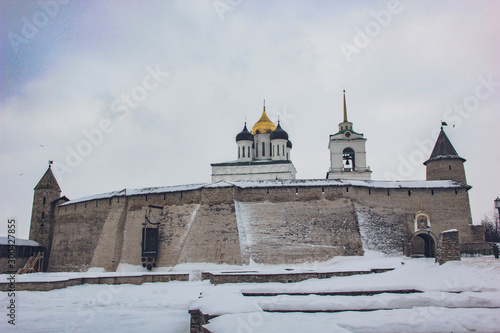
(347, 163)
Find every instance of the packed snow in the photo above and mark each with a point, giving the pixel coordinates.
(455, 297)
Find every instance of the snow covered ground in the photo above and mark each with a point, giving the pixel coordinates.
(457, 296)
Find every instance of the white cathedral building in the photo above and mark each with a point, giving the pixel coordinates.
(265, 154)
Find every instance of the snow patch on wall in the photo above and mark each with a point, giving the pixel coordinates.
(380, 232)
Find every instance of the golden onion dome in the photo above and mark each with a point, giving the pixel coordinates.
(264, 125)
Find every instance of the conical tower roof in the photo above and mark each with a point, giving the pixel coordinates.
(443, 149)
(48, 182)
(264, 125)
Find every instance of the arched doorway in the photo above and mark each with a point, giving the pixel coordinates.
(349, 162)
(423, 245)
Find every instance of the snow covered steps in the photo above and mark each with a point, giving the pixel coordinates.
(284, 277)
(250, 308)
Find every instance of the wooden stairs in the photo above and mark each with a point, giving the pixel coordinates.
(33, 265)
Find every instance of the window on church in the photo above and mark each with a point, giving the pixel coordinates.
(239, 148)
(449, 167)
(283, 150)
(43, 201)
(243, 151)
(256, 150)
(409, 192)
(249, 151)
(432, 192)
(278, 149)
(43, 215)
(263, 149)
(388, 192)
(287, 156)
(270, 145)
(341, 128)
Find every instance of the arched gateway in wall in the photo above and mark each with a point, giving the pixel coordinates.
(423, 244)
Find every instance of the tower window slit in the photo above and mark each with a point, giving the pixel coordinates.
(43, 215)
(449, 166)
(263, 149)
(43, 201)
(432, 192)
(256, 150)
(347, 189)
(243, 151)
(239, 155)
(96, 203)
(388, 192)
(146, 197)
(296, 190)
(409, 192)
(370, 191)
(322, 190)
(456, 191)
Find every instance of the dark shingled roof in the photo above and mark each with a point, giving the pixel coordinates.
(443, 149)
(48, 182)
(279, 133)
(244, 135)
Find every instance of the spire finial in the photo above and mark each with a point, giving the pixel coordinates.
(50, 163)
(264, 105)
(345, 109)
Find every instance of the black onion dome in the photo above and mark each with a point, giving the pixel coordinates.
(279, 133)
(289, 144)
(244, 135)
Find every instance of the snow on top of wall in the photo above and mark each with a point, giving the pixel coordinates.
(409, 184)
(450, 230)
(19, 242)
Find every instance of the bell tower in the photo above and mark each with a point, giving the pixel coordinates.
(347, 153)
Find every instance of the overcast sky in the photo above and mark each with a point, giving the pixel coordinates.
(131, 94)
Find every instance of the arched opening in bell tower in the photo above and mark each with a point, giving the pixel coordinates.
(349, 161)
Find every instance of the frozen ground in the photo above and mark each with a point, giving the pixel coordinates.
(163, 307)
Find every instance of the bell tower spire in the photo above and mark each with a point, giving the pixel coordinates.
(345, 109)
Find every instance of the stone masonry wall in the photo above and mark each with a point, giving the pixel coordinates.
(269, 225)
(448, 248)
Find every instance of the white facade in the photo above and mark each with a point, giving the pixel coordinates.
(263, 154)
(347, 153)
(266, 170)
